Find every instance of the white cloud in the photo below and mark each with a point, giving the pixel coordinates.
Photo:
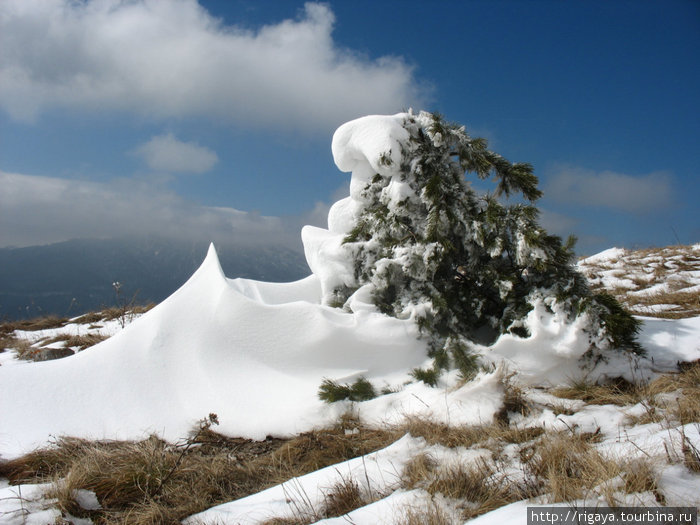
(167, 153)
(43, 210)
(170, 58)
(607, 189)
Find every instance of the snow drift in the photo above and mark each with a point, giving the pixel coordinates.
(255, 353)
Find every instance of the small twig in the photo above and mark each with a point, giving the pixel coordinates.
(638, 447)
(567, 425)
(419, 399)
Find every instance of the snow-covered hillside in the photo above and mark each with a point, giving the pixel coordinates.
(255, 353)
(662, 282)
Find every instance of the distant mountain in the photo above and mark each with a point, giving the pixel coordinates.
(74, 277)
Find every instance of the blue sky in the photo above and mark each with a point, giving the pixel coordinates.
(214, 119)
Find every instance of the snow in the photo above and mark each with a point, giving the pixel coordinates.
(255, 354)
(670, 341)
(611, 255)
(550, 355)
(235, 348)
(472, 403)
(367, 146)
(26, 505)
(361, 145)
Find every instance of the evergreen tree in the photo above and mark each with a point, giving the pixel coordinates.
(467, 267)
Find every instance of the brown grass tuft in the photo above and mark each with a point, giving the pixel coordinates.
(23, 347)
(80, 341)
(481, 486)
(432, 515)
(29, 325)
(418, 471)
(344, 497)
(566, 466)
(615, 392)
(436, 433)
(514, 401)
(341, 499)
(318, 449)
(640, 476)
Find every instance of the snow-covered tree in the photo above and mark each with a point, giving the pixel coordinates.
(467, 267)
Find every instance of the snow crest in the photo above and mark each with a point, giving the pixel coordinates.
(253, 353)
(366, 147)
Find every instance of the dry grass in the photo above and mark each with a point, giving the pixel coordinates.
(417, 471)
(344, 496)
(21, 346)
(89, 318)
(40, 350)
(128, 477)
(514, 401)
(561, 466)
(640, 475)
(437, 433)
(314, 450)
(616, 392)
(124, 314)
(494, 437)
(432, 515)
(687, 304)
(81, 342)
(481, 487)
(567, 466)
(691, 455)
(29, 325)
(686, 408)
(684, 405)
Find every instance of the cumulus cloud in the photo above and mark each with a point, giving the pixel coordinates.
(170, 58)
(167, 153)
(607, 189)
(42, 210)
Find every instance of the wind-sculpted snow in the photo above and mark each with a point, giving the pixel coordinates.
(256, 353)
(253, 353)
(365, 146)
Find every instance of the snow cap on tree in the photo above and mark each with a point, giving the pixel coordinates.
(417, 240)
